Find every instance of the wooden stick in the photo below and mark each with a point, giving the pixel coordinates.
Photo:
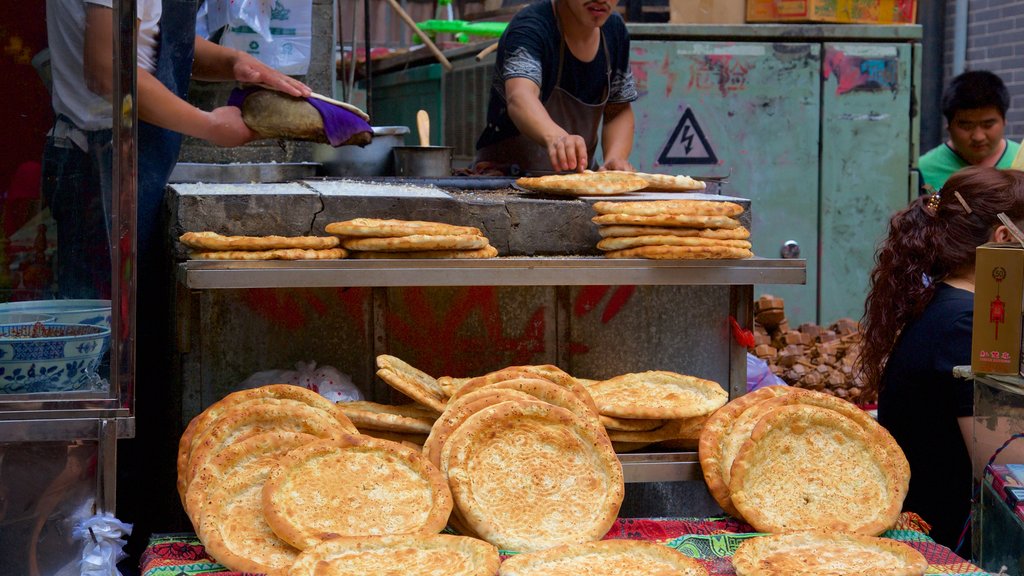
(423, 36)
(486, 51)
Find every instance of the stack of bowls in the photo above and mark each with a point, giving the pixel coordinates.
(52, 345)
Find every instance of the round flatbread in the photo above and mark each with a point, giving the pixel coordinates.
(548, 372)
(412, 382)
(667, 207)
(354, 486)
(278, 254)
(234, 530)
(670, 183)
(625, 242)
(683, 428)
(657, 394)
(739, 233)
(586, 183)
(566, 466)
(407, 554)
(204, 241)
(485, 252)
(711, 445)
(811, 468)
(682, 253)
(604, 558)
(408, 418)
(202, 421)
(416, 242)
(451, 384)
(381, 228)
(816, 553)
(681, 220)
(629, 424)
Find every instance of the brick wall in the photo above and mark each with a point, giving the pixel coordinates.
(994, 42)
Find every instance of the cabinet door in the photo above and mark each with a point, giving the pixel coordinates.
(865, 151)
(746, 112)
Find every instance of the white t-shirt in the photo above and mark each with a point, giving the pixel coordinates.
(66, 33)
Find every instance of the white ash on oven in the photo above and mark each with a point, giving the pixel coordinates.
(810, 356)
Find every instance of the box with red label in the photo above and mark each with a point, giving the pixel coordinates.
(998, 298)
(840, 11)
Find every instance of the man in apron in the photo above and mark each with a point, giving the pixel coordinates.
(562, 78)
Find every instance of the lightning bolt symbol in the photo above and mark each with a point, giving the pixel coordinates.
(687, 139)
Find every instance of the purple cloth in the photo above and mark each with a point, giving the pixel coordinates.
(339, 123)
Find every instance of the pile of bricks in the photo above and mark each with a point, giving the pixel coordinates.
(812, 357)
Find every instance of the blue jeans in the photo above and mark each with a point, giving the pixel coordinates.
(77, 187)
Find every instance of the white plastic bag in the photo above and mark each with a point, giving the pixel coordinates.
(327, 381)
(104, 537)
(277, 32)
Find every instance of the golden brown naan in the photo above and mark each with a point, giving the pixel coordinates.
(831, 554)
(604, 558)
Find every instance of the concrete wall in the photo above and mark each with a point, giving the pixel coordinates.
(994, 42)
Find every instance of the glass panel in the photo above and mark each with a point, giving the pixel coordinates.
(58, 178)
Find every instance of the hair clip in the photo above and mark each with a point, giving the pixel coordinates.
(933, 203)
(962, 202)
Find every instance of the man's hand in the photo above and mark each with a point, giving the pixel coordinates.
(617, 164)
(568, 152)
(226, 128)
(249, 70)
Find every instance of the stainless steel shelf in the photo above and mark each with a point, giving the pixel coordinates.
(661, 467)
(509, 271)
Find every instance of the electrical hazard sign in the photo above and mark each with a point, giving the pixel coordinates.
(688, 145)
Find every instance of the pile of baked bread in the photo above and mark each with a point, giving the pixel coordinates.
(608, 183)
(672, 229)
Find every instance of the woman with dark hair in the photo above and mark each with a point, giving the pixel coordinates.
(917, 326)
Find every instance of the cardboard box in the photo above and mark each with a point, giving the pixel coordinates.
(838, 11)
(707, 11)
(998, 302)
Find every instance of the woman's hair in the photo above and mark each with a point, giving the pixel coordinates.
(931, 239)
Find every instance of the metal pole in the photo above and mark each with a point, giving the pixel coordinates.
(960, 37)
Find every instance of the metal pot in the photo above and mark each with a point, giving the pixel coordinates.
(374, 159)
(423, 161)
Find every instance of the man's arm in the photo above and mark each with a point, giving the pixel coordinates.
(566, 151)
(617, 136)
(214, 62)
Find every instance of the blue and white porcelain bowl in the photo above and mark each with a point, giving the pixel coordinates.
(50, 357)
(25, 318)
(93, 312)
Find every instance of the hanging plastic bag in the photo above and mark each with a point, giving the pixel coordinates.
(277, 32)
(327, 381)
(760, 375)
(104, 537)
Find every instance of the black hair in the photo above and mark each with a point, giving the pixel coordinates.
(973, 90)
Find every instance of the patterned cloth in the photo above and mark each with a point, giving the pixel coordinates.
(712, 541)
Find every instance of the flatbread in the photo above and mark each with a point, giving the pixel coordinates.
(408, 554)
(199, 424)
(411, 440)
(810, 468)
(354, 486)
(629, 424)
(384, 228)
(740, 233)
(204, 241)
(682, 428)
(278, 254)
(584, 183)
(682, 253)
(679, 207)
(234, 531)
(417, 242)
(671, 183)
(657, 394)
(485, 252)
(408, 418)
(627, 242)
(683, 220)
(604, 558)
(350, 107)
(412, 382)
(814, 553)
(450, 384)
(566, 466)
(546, 371)
(712, 442)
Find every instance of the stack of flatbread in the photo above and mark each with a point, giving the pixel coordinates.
(672, 230)
(832, 553)
(788, 459)
(214, 246)
(407, 423)
(608, 183)
(268, 472)
(619, 557)
(378, 238)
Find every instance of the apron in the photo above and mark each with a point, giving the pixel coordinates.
(520, 155)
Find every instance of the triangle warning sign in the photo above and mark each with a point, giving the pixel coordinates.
(688, 145)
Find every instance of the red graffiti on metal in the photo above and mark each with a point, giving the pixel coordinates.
(718, 72)
(295, 309)
(856, 73)
(590, 297)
